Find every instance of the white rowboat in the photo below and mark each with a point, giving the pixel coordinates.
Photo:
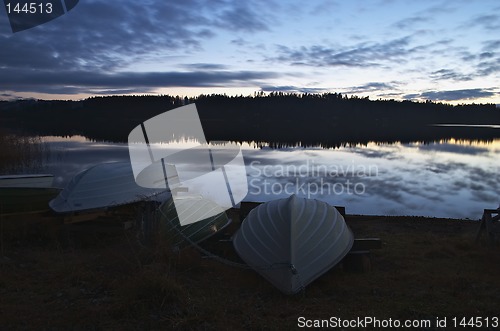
(100, 187)
(293, 241)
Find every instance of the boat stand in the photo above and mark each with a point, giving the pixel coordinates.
(147, 222)
(491, 224)
(359, 257)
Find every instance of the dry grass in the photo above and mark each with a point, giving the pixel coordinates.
(88, 280)
(21, 153)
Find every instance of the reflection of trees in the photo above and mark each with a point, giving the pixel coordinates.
(327, 120)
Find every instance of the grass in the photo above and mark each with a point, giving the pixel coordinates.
(89, 280)
(21, 153)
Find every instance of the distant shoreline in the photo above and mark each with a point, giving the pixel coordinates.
(328, 120)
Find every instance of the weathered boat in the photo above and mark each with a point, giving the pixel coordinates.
(201, 219)
(100, 187)
(293, 241)
(21, 194)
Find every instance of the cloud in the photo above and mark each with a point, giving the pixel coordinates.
(361, 55)
(373, 87)
(410, 22)
(446, 7)
(205, 66)
(101, 40)
(486, 55)
(486, 68)
(453, 95)
(376, 154)
(239, 42)
(452, 148)
(491, 45)
(467, 56)
(480, 64)
(69, 82)
(449, 74)
(325, 6)
(483, 63)
(292, 89)
(93, 47)
(390, 95)
(489, 22)
(242, 17)
(102, 35)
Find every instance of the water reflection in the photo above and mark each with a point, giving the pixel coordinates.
(455, 179)
(69, 156)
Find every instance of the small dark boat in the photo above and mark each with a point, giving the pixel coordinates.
(207, 219)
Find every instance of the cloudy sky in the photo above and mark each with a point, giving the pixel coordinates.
(401, 49)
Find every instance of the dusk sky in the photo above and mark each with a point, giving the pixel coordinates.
(391, 49)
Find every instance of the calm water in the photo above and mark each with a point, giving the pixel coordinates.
(447, 179)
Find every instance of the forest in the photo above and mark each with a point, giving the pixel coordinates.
(280, 119)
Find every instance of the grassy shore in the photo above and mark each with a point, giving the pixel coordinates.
(88, 277)
(20, 153)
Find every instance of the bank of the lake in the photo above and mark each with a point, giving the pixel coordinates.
(90, 277)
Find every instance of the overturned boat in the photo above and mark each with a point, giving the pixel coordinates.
(21, 194)
(189, 220)
(293, 241)
(101, 187)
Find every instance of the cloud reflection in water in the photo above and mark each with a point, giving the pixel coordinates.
(447, 179)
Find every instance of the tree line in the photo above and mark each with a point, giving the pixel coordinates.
(281, 119)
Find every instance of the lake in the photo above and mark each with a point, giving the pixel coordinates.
(455, 179)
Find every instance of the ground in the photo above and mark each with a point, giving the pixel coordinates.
(98, 277)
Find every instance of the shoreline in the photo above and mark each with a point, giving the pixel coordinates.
(98, 276)
(427, 268)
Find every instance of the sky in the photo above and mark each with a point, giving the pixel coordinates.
(445, 51)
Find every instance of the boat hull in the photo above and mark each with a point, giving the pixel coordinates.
(293, 241)
(101, 187)
(21, 200)
(181, 236)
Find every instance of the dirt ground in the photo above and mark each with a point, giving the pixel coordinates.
(98, 277)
